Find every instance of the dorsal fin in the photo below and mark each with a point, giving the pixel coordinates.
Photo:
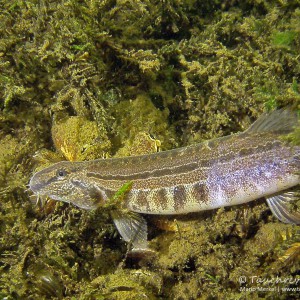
(281, 121)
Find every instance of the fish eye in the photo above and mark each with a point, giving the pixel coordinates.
(61, 173)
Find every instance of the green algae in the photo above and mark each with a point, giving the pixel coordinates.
(283, 39)
(106, 76)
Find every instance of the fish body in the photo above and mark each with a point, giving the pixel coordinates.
(222, 172)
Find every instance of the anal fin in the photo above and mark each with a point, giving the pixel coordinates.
(281, 207)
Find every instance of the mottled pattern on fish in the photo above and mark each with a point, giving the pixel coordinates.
(221, 172)
(217, 173)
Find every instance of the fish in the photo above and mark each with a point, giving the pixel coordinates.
(236, 169)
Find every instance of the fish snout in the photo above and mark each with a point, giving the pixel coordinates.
(35, 184)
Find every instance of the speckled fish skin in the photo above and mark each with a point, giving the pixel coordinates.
(226, 171)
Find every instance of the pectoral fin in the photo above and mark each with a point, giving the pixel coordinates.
(133, 229)
(281, 207)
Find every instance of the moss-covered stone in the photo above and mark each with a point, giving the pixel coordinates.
(134, 119)
(77, 138)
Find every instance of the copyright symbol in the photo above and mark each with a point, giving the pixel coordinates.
(242, 279)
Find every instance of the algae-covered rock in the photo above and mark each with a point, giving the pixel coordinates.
(141, 143)
(136, 117)
(77, 138)
(125, 285)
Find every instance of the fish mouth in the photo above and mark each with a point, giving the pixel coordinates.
(35, 186)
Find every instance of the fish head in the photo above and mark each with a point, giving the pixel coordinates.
(63, 181)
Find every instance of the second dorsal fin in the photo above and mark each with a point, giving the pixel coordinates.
(281, 121)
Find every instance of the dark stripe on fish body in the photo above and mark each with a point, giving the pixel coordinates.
(180, 197)
(141, 198)
(177, 168)
(199, 191)
(162, 199)
(147, 174)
